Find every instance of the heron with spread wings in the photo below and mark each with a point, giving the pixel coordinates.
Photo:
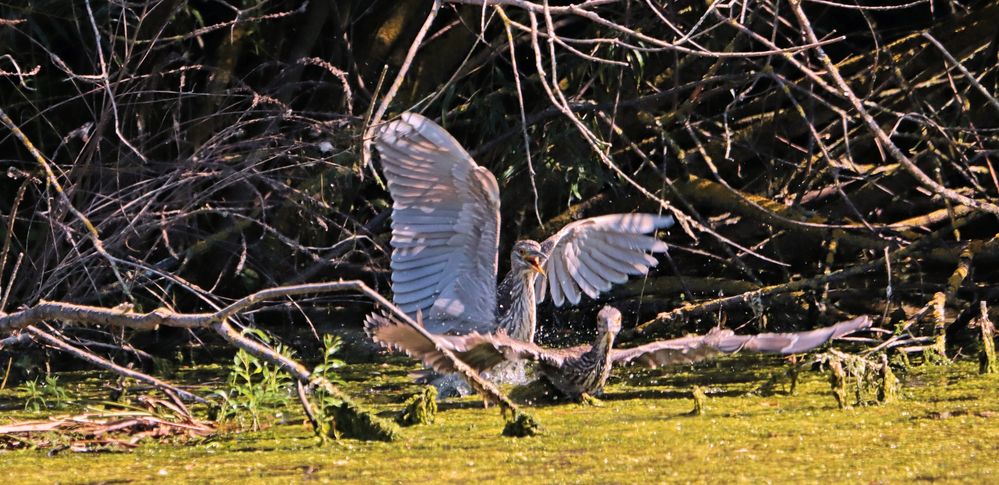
(582, 371)
(445, 240)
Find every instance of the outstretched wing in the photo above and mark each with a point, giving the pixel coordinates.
(693, 348)
(480, 352)
(445, 226)
(391, 333)
(587, 256)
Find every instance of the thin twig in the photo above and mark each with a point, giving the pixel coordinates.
(107, 364)
(95, 237)
(876, 130)
(369, 133)
(960, 67)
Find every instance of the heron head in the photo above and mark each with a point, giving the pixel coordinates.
(609, 320)
(527, 257)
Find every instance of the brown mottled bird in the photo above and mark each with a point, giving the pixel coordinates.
(583, 370)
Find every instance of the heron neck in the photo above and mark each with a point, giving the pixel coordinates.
(602, 346)
(518, 315)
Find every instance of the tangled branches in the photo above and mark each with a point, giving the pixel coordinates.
(823, 158)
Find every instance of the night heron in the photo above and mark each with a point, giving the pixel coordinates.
(583, 370)
(445, 240)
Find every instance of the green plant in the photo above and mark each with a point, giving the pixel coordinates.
(255, 387)
(44, 395)
(35, 398)
(327, 405)
(332, 414)
(331, 345)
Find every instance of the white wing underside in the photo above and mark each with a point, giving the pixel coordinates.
(445, 227)
(589, 256)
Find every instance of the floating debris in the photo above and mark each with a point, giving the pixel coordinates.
(113, 430)
(875, 381)
(522, 425)
(888, 384)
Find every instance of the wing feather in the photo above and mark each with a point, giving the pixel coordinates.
(636, 241)
(445, 226)
(693, 348)
(561, 276)
(422, 252)
(633, 262)
(587, 256)
(479, 351)
(420, 278)
(403, 264)
(404, 298)
(606, 268)
(583, 276)
(421, 242)
(587, 271)
(391, 333)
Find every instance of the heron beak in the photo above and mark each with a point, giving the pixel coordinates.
(535, 263)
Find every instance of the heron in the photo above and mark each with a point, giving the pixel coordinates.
(582, 371)
(445, 241)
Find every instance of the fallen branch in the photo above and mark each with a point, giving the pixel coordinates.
(219, 322)
(748, 297)
(92, 431)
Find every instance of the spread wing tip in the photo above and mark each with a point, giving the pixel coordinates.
(375, 325)
(394, 334)
(862, 322)
(663, 222)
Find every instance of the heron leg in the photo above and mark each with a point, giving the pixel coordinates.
(587, 400)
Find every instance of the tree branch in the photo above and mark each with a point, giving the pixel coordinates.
(218, 321)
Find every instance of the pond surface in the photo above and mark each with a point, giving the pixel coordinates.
(945, 429)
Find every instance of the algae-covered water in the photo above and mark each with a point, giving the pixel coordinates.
(945, 429)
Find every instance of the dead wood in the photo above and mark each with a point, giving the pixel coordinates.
(104, 431)
(219, 322)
